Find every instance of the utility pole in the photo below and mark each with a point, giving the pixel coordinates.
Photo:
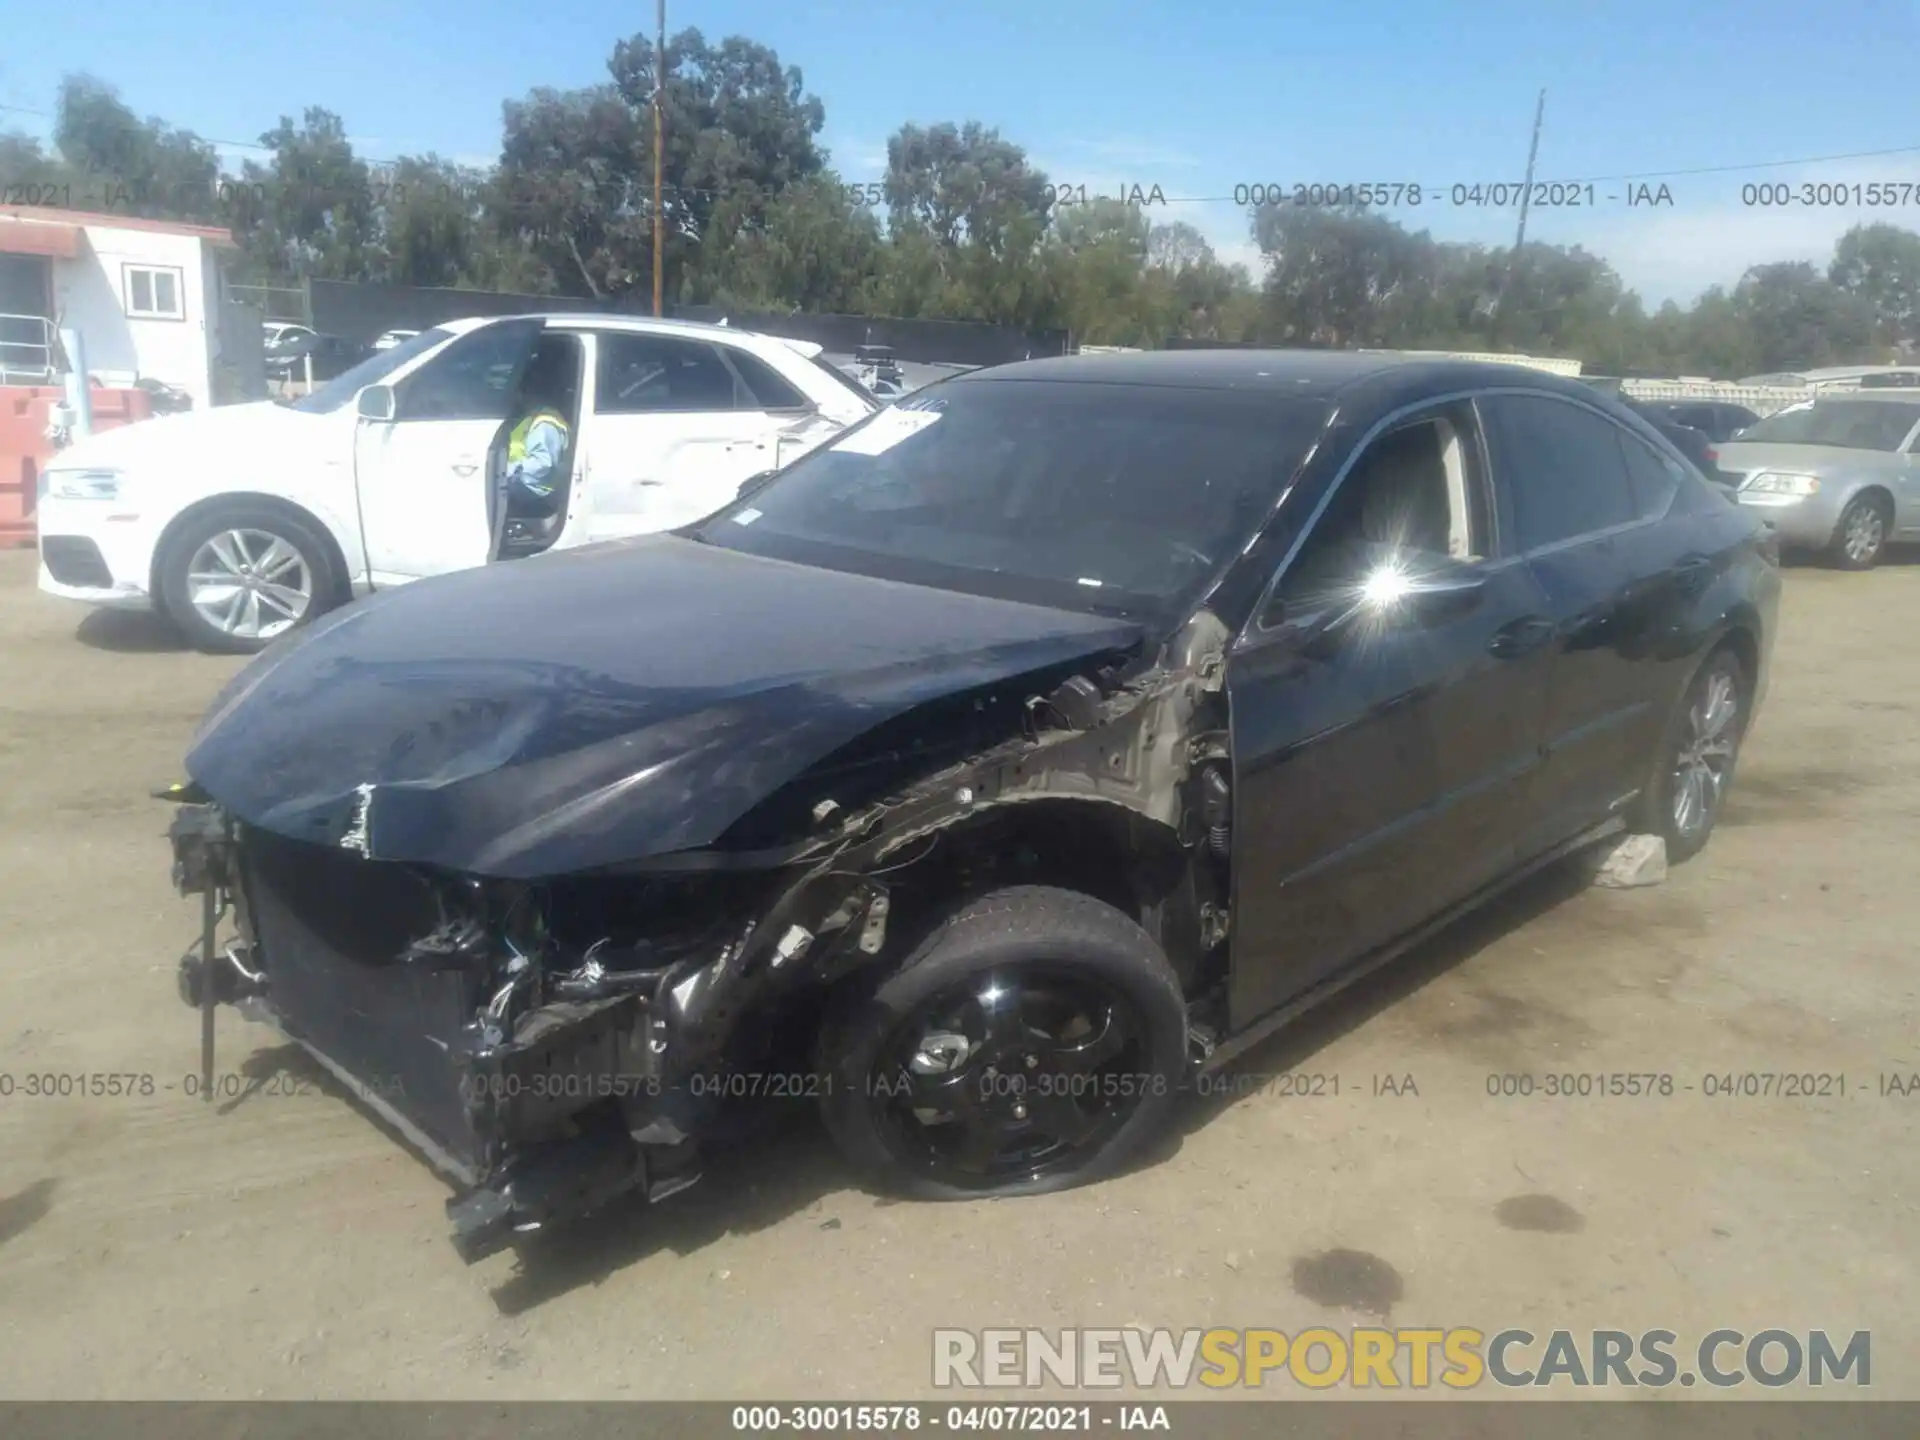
(1526, 193)
(659, 151)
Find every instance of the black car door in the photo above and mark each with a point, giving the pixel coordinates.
(1673, 558)
(1560, 472)
(1380, 770)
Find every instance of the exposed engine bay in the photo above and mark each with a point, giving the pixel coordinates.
(553, 1043)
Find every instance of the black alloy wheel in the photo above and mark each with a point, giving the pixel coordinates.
(1031, 1043)
(1008, 1077)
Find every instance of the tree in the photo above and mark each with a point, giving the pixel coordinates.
(740, 129)
(983, 212)
(1101, 254)
(25, 166)
(813, 249)
(1799, 319)
(308, 211)
(1177, 246)
(575, 184)
(146, 168)
(430, 215)
(570, 190)
(1340, 276)
(1879, 265)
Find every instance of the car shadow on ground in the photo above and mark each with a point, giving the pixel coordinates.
(783, 1167)
(23, 1210)
(1293, 1044)
(773, 1162)
(129, 632)
(1894, 556)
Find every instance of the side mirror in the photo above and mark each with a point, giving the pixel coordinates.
(1394, 592)
(754, 484)
(376, 402)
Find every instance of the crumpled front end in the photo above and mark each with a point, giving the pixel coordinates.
(551, 1043)
(543, 1045)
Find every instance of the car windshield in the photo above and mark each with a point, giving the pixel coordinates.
(1113, 499)
(1845, 424)
(343, 387)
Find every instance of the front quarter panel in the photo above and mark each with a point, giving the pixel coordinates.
(312, 471)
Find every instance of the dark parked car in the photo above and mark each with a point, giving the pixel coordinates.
(986, 774)
(1690, 442)
(1718, 420)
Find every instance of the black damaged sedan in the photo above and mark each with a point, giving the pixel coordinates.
(1045, 740)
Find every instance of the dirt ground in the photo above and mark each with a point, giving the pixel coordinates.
(281, 1245)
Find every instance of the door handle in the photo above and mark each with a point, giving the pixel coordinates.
(1521, 637)
(465, 467)
(1693, 573)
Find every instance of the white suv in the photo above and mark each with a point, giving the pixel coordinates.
(241, 522)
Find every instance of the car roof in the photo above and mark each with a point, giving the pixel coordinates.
(1313, 374)
(1874, 395)
(639, 324)
(599, 320)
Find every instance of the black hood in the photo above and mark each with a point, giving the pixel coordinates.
(581, 709)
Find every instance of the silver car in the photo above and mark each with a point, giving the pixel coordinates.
(1838, 473)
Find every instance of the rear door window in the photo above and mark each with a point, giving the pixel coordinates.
(641, 374)
(1653, 476)
(1561, 467)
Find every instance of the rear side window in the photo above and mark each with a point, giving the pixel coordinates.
(642, 374)
(1653, 476)
(768, 388)
(1561, 466)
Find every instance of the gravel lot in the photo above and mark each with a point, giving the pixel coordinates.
(282, 1245)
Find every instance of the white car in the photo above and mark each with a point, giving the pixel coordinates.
(241, 522)
(272, 332)
(390, 338)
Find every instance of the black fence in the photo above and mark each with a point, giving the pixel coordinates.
(363, 312)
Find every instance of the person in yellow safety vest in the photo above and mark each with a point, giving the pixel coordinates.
(536, 445)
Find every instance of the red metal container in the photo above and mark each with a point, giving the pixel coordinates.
(25, 448)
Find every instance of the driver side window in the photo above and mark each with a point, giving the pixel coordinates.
(1418, 492)
(472, 379)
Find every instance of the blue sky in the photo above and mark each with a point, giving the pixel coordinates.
(1195, 98)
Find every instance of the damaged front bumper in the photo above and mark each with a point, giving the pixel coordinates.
(543, 1078)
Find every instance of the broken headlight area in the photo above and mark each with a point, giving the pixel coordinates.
(549, 1046)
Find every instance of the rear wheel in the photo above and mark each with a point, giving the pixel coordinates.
(1861, 534)
(1695, 768)
(238, 576)
(1033, 1042)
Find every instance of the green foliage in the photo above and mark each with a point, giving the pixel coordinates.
(964, 226)
(145, 168)
(1880, 266)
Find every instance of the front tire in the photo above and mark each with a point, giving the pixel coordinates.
(1694, 771)
(1861, 534)
(1034, 1041)
(238, 576)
